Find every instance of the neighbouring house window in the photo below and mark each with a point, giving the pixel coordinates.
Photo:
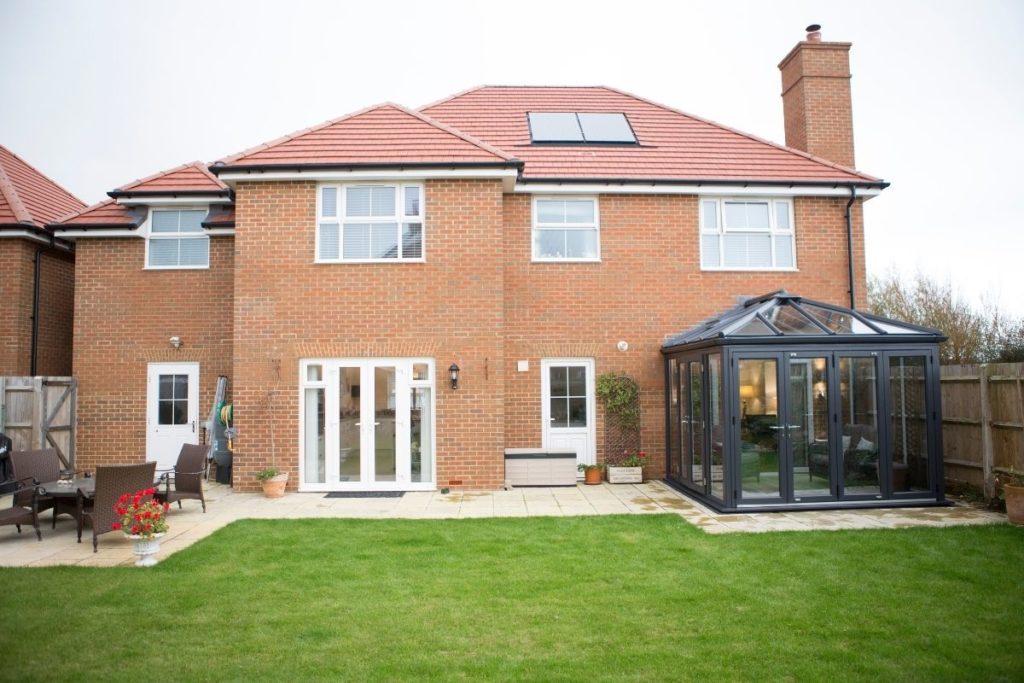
(176, 239)
(747, 234)
(370, 223)
(566, 230)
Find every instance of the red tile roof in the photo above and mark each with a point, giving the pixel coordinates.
(220, 217)
(29, 198)
(383, 134)
(189, 178)
(672, 145)
(106, 214)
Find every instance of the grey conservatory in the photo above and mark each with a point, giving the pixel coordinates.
(786, 403)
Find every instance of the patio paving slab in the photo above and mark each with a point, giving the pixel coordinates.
(224, 506)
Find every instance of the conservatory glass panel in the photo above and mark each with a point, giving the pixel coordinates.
(858, 399)
(909, 423)
(809, 427)
(759, 428)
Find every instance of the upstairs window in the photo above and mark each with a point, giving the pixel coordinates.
(580, 128)
(747, 234)
(176, 239)
(370, 223)
(566, 230)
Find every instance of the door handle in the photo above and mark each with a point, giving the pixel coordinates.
(193, 426)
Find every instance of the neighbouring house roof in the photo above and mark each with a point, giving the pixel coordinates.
(385, 134)
(784, 317)
(671, 145)
(185, 180)
(28, 199)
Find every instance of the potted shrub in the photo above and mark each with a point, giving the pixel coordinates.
(591, 473)
(628, 470)
(1011, 490)
(273, 481)
(144, 520)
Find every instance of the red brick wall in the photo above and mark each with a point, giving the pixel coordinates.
(124, 316)
(477, 301)
(56, 314)
(56, 305)
(16, 294)
(647, 287)
(449, 308)
(816, 100)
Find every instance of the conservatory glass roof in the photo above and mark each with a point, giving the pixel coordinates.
(783, 315)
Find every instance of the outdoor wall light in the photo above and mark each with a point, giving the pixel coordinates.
(175, 342)
(453, 373)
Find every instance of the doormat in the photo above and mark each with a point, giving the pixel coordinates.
(365, 494)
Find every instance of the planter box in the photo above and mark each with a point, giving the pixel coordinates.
(625, 475)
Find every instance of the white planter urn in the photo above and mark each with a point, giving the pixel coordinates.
(146, 549)
(625, 475)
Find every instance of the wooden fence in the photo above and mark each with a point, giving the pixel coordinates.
(982, 422)
(39, 412)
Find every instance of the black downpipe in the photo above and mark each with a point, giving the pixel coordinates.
(849, 244)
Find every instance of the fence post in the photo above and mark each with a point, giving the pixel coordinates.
(986, 435)
(38, 413)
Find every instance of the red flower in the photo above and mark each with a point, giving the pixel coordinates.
(149, 492)
(167, 506)
(135, 528)
(115, 526)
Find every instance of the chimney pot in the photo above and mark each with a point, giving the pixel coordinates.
(814, 33)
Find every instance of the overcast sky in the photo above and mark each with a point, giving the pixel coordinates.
(96, 94)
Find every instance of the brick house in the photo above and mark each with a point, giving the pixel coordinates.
(519, 233)
(37, 271)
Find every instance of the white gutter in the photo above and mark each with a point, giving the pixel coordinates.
(694, 189)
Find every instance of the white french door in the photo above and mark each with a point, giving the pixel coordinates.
(367, 424)
(567, 407)
(172, 410)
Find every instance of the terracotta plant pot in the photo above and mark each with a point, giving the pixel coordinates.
(592, 476)
(1014, 504)
(274, 487)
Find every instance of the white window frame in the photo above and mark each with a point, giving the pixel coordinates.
(537, 225)
(773, 231)
(399, 218)
(148, 233)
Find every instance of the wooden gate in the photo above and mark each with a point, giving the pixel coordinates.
(39, 412)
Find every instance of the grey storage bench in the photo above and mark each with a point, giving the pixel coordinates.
(540, 467)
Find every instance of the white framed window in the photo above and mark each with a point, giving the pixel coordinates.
(370, 222)
(747, 234)
(566, 229)
(176, 239)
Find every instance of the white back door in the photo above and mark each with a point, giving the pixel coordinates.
(172, 411)
(567, 406)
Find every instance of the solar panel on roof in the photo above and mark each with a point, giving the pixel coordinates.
(555, 127)
(606, 128)
(571, 127)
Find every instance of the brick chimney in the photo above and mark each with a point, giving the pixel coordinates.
(816, 98)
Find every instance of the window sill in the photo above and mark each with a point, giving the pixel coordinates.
(341, 262)
(565, 260)
(707, 269)
(206, 267)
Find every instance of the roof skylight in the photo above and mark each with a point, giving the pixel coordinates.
(580, 127)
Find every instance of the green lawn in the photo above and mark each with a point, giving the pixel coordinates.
(586, 598)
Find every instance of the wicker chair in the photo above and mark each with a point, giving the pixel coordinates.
(23, 514)
(34, 468)
(186, 477)
(111, 482)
